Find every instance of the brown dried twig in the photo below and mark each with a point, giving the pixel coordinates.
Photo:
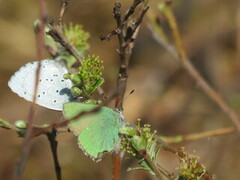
(53, 144)
(21, 162)
(182, 56)
(238, 32)
(126, 31)
(196, 136)
(63, 10)
(57, 34)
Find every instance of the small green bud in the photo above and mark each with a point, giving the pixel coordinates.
(21, 124)
(36, 25)
(162, 7)
(76, 91)
(75, 78)
(91, 101)
(99, 102)
(67, 76)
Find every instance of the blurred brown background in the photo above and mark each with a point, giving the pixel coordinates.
(165, 96)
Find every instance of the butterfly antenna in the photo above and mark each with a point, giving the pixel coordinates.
(125, 98)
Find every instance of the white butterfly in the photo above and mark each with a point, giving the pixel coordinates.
(53, 90)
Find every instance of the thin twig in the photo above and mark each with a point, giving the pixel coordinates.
(62, 12)
(159, 34)
(116, 166)
(182, 56)
(154, 167)
(238, 33)
(57, 34)
(126, 32)
(212, 93)
(53, 144)
(196, 136)
(169, 175)
(109, 34)
(21, 162)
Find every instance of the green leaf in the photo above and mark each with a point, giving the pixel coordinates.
(91, 89)
(153, 150)
(144, 166)
(128, 131)
(5, 124)
(137, 168)
(139, 143)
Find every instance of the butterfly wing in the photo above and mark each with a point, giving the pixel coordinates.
(53, 90)
(101, 135)
(97, 132)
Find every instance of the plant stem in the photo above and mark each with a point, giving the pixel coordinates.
(196, 136)
(189, 67)
(238, 33)
(154, 168)
(57, 34)
(26, 146)
(53, 144)
(126, 35)
(169, 175)
(62, 12)
(116, 167)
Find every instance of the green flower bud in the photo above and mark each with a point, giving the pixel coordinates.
(76, 91)
(21, 124)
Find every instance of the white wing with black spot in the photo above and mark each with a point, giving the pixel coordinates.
(53, 89)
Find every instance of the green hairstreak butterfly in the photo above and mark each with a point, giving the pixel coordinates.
(97, 131)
